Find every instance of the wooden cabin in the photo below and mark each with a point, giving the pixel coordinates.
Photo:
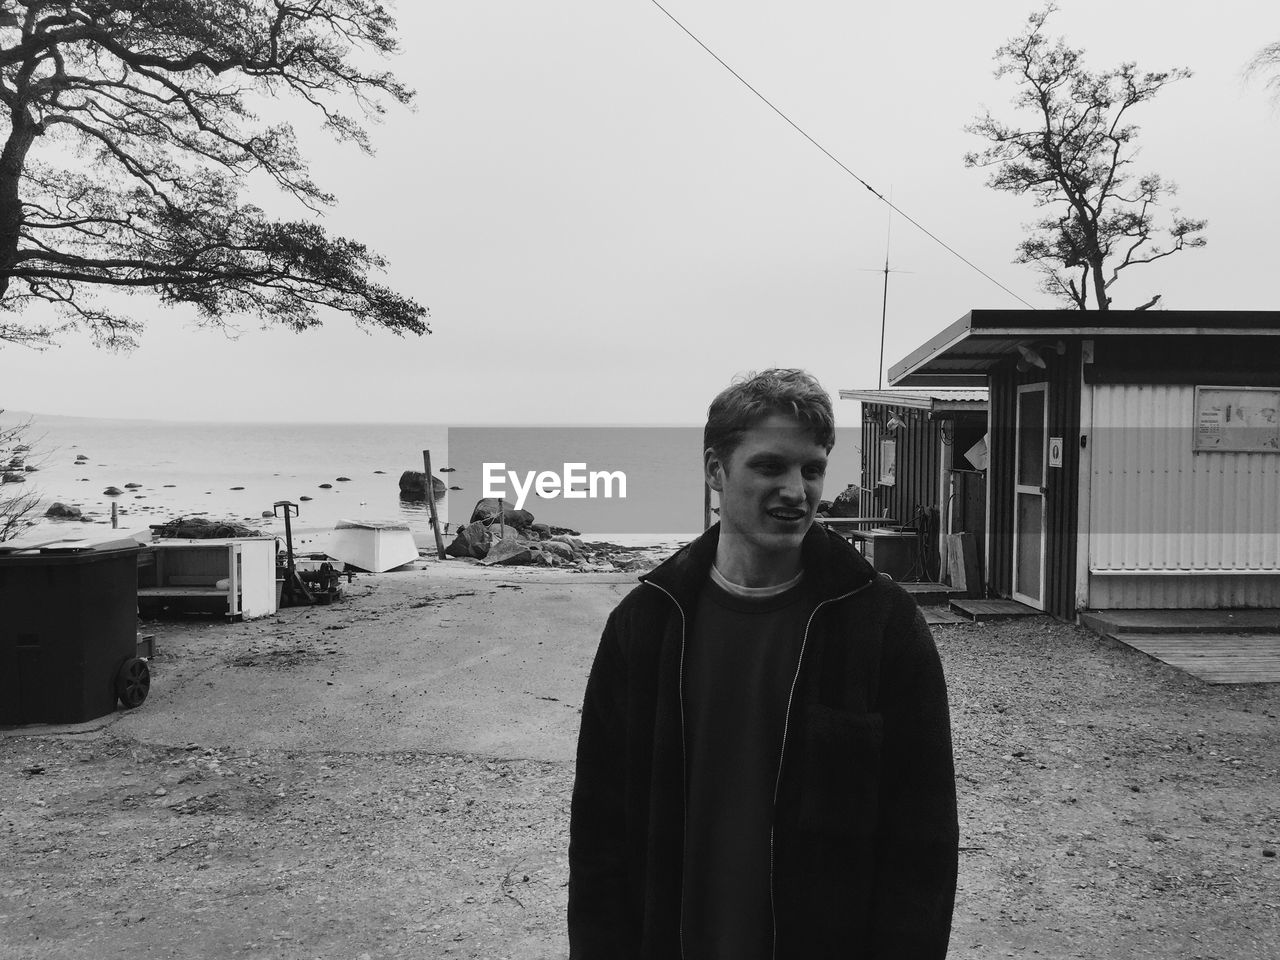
(915, 469)
(1134, 456)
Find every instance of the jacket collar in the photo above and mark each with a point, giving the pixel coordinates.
(828, 560)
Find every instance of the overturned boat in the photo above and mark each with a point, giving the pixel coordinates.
(376, 547)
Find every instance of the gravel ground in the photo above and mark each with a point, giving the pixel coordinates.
(1110, 807)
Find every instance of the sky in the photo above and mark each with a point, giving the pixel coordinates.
(607, 226)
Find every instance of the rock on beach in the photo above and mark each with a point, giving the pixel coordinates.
(508, 552)
(487, 510)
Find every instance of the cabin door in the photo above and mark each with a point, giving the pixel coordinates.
(1029, 494)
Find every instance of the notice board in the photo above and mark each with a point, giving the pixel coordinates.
(1237, 419)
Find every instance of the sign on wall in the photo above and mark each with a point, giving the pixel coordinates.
(1237, 419)
(1055, 451)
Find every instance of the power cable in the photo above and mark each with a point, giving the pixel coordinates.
(898, 210)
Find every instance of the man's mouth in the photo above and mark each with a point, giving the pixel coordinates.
(786, 515)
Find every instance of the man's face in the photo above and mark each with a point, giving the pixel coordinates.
(770, 486)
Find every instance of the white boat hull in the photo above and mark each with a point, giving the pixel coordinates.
(376, 547)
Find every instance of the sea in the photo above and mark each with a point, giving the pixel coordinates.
(351, 471)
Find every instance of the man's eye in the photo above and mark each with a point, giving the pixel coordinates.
(815, 473)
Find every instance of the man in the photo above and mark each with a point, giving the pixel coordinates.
(764, 765)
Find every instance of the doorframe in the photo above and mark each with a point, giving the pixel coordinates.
(1039, 490)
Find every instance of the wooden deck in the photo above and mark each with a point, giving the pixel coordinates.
(1214, 657)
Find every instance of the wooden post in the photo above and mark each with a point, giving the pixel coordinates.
(431, 504)
(115, 514)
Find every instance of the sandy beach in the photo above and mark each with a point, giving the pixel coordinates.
(389, 776)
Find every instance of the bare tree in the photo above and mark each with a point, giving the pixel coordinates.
(17, 498)
(1266, 62)
(130, 132)
(1075, 157)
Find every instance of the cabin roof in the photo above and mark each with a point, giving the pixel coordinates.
(933, 399)
(966, 351)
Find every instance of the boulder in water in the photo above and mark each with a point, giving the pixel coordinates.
(413, 486)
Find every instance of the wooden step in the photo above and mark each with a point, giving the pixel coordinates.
(931, 594)
(984, 610)
(934, 616)
(1112, 622)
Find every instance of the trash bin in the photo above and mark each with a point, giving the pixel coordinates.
(68, 632)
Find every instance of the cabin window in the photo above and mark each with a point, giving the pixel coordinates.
(888, 462)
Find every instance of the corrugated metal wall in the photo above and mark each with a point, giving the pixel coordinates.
(919, 446)
(1062, 374)
(1155, 504)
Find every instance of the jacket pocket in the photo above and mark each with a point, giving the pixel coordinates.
(840, 786)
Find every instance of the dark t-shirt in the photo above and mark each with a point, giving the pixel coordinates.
(740, 662)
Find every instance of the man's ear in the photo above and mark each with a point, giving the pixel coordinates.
(713, 470)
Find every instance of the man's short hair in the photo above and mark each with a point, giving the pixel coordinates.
(754, 397)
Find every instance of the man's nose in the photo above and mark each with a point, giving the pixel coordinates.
(793, 487)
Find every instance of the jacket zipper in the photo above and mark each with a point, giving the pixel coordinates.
(684, 753)
(786, 724)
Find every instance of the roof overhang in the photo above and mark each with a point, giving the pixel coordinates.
(967, 351)
(940, 403)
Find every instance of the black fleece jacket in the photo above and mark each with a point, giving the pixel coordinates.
(865, 829)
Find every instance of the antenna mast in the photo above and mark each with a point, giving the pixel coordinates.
(884, 296)
(884, 299)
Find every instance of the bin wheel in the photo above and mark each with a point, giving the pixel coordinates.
(133, 682)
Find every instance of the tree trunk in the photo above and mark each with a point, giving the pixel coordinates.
(12, 160)
(1099, 286)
